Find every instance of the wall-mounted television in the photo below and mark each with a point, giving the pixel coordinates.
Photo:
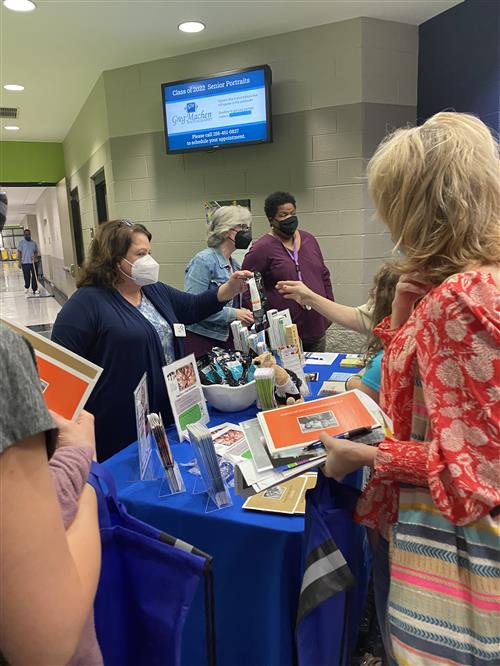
(218, 111)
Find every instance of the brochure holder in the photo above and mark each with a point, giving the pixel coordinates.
(210, 480)
(149, 468)
(172, 482)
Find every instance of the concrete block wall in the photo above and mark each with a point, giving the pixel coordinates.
(337, 90)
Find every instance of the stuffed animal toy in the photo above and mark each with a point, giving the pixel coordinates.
(287, 385)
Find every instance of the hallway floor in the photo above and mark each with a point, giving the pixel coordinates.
(37, 313)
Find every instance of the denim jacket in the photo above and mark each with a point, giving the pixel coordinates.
(207, 269)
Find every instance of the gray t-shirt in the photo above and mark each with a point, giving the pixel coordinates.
(23, 412)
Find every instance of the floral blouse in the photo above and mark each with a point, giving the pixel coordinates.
(453, 340)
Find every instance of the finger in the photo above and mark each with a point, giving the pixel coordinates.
(327, 440)
(60, 421)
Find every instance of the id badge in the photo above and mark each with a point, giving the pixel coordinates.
(179, 330)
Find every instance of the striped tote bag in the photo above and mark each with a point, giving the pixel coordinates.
(444, 598)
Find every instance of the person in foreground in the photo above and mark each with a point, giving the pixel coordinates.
(228, 230)
(435, 493)
(126, 321)
(287, 253)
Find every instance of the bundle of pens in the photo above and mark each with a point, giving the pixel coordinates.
(264, 383)
(203, 446)
(172, 473)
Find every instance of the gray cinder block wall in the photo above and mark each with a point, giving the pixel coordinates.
(337, 90)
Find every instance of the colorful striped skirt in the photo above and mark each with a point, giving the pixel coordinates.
(444, 599)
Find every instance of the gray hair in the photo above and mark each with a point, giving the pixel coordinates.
(223, 220)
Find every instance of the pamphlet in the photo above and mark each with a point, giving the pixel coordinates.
(186, 395)
(311, 480)
(67, 379)
(284, 498)
(331, 388)
(297, 426)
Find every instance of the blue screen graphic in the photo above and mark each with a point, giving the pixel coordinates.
(218, 111)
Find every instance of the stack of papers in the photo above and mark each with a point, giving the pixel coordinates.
(279, 441)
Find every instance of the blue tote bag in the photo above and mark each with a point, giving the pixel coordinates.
(336, 571)
(147, 583)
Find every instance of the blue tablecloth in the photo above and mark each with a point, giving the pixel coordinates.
(257, 558)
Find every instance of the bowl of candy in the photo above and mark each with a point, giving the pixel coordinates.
(227, 380)
(230, 398)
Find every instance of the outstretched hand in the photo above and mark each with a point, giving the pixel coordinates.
(236, 284)
(296, 291)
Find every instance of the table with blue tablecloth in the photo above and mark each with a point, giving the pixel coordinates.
(257, 557)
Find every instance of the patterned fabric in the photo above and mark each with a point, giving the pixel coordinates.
(161, 326)
(454, 334)
(444, 600)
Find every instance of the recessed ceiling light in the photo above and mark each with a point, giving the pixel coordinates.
(14, 87)
(19, 5)
(191, 26)
(11, 128)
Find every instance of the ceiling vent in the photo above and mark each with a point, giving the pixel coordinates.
(8, 112)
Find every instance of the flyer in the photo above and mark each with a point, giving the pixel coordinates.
(141, 402)
(287, 497)
(186, 396)
(67, 379)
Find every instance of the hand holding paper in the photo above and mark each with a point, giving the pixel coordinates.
(234, 286)
(75, 433)
(344, 456)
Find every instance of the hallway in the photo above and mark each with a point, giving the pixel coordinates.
(37, 313)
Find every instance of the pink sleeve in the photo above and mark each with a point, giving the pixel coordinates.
(70, 467)
(458, 353)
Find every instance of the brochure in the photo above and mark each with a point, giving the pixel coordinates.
(141, 402)
(297, 426)
(286, 497)
(186, 395)
(67, 379)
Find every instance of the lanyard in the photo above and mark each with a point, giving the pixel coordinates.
(294, 256)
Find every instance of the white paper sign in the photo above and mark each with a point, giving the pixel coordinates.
(186, 395)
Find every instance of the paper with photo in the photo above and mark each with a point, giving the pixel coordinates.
(67, 379)
(186, 396)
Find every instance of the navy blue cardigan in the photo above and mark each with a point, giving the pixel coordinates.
(103, 327)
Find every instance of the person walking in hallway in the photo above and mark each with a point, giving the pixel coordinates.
(28, 254)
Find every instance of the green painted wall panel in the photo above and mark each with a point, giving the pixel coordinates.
(31, 162)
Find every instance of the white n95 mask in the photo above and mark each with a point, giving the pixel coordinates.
(145, 270)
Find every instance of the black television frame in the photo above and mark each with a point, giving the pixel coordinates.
(268, 85)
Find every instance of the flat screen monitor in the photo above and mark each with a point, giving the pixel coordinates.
(218, 111)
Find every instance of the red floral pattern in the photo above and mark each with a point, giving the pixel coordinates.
(454, 336)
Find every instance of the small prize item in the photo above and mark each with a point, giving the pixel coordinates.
(259, 302)
(287, 384)
(172, 476)
(264, 383)
(353, 361)
(215, 486)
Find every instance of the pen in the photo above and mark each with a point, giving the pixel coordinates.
(345, 435)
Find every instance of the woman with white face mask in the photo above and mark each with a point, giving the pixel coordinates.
(126, 321)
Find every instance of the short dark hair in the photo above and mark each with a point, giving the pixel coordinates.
(111, 243)
(276, 199)
(25, 230)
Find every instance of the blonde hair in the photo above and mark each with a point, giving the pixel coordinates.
(437, 187)
(223, 220)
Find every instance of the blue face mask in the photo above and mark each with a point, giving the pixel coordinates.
(27, 237)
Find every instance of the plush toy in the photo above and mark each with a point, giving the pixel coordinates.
(287, 386)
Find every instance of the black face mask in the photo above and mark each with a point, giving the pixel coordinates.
(28, 238)
(288, 226)
(242, 239)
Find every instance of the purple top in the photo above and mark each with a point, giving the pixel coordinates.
(270, 257)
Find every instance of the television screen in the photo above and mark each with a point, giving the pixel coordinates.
(227, 109)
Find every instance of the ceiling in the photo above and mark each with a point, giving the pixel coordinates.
(59, 50)
(22, 201)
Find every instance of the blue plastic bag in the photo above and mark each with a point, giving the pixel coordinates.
(147, 583)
